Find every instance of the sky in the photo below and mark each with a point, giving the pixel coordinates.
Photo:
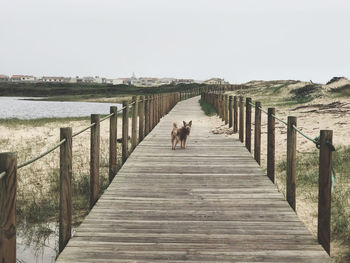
(238, 40)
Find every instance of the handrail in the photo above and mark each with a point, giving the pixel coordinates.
(323, 143)
(2, 174)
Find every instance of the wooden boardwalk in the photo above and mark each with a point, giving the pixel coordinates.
(208, 203)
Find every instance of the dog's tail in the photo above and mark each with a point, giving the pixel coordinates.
(174, 125)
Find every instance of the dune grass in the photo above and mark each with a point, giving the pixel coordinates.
(208, 109)
(307, 188)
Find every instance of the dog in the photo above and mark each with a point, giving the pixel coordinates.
(180, 134)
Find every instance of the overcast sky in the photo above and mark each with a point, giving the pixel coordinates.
(239, 40)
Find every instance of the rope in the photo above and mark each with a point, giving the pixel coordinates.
(108, 116)
(37, 157)
(81, 131)
(41, 155)
(264, 111)
(307, 137)
(279, 119)
(64, 140)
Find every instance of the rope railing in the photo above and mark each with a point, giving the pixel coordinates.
(242, 124)
(285, 123)
(2, 174)
(146, 114)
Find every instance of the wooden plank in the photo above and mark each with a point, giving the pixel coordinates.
(291, 161)
(65, 217)
(94, 159)
(8, 188)
(209, 203)
(324, 190)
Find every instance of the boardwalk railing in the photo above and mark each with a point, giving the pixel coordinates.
(231, 110)
(151, 109)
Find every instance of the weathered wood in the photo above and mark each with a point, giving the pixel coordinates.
(209, 202)
(291, 161)
(141, 119)
(248, 124)
(147, 113)
(226, 109)
(257, 132)
(134, 123)
(94, 159)
(8, 188)
(230, 112)
(65, 217)
(271, 144)
(241, 119)
(324, 190)
(235, 115)
(151, 112)
(113, 147)
(125, 132)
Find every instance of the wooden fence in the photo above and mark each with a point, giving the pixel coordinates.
(234, 110)
(150, 109)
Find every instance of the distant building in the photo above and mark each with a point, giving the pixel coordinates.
(88, 79)
(53, 79)
(184, 81)
(24, 78)
(215, 81)
(4, 78)
(109, 81)
(166, 81)
(120, 81)
(99, 80)
(146, 82)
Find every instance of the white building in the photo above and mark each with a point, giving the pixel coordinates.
(24, 78)
(166, 81)
(184, 81)
(4, 78)
(215, 81)
(52, 79)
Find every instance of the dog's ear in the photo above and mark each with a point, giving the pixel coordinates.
(184, 123)
(190, 123)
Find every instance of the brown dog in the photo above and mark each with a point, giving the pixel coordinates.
(180, 134)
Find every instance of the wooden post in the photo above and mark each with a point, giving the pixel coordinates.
(257, 132)
(65, 219)
(222, 105)
(235, 115)
(146, 115)
(241, 119)
(125, 131)
(248, 124)
(113, 148)
(8, 188)
(271, 144)
(94, 159)
(291, 161)
(134, 124)
(324, 190)
(141, 119)
(230, 112)
(151, 105)
(226, 109)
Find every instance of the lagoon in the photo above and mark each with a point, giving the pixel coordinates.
(28, 108)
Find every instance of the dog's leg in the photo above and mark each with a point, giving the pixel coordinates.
(185, 142)
(173, 143)
(176, 143)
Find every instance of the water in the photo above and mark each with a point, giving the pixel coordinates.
(24, 108)
(37, 244)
